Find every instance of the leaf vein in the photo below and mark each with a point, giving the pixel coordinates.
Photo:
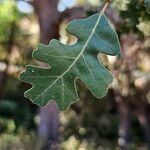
(63, 57)
(83, 49)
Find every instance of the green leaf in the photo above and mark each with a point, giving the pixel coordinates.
(69, 62)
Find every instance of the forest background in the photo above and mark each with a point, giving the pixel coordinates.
(121, 120)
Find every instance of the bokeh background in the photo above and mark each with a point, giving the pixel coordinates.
(121, 120)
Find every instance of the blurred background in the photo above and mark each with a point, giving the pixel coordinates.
(121, 120)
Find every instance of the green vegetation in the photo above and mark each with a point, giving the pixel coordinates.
(90, 124)
(71, 62)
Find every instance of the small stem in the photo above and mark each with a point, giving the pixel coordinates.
(107, 3)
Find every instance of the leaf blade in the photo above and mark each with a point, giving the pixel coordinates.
(69, 62)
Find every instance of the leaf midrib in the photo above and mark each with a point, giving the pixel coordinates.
(80, 54)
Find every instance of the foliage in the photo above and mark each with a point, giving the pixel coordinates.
(8, 108)
(95, 35)
(132, 12)
(147, 5)
(16, 39)
(8, 15)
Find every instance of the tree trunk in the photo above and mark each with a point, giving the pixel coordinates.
(124, 122)
(49, 21)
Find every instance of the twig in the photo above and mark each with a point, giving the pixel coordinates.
(107, 3)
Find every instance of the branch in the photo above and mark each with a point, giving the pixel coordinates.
(75, 12)
(107, 3)
(79, 12)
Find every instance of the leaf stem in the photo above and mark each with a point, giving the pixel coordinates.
(107, 3)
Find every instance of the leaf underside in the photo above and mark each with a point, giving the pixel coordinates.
(69, 62)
